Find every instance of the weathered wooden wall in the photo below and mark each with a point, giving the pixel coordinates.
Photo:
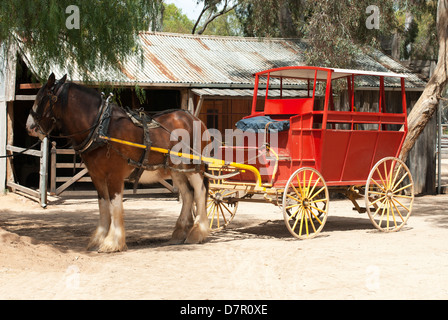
(7, 94)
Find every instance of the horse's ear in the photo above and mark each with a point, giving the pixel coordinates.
(63, 79)
(51, 80)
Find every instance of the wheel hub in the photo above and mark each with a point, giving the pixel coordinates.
(306, 203)
(217, 197)
(389, 194)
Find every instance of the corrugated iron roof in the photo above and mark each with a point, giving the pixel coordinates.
(222, 62)
(248, 93)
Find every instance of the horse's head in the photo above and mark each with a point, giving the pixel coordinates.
(41, 120)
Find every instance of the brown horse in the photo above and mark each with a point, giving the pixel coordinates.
(80, 113)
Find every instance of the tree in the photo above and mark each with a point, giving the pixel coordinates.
(175, 21)
(425, 107)
(94, 34)
(212, 10)
(271, 18)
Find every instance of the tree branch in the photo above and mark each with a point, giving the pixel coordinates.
(212, 16)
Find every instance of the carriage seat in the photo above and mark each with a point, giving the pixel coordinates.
(259, 124)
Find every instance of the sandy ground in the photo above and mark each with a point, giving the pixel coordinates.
(42, 255)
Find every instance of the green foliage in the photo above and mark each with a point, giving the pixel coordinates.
(225, 25)
(107, 35)
(419, 40)
(175, 21)
(337, 31)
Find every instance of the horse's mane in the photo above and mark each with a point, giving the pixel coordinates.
(63, 96)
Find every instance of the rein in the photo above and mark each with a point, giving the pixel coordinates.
(21, 152)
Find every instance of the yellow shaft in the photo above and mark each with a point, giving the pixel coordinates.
(190, 156)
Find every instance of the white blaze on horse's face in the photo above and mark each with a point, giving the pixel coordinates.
(31, 125)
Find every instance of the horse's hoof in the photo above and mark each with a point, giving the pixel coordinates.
(197, 235)
(174, 242)
(108, 248)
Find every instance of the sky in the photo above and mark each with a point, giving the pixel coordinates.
(189, 7)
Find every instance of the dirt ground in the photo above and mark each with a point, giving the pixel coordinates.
(42, 255)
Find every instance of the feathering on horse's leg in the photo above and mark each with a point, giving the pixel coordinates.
(185, 220)
(116, 237)
(102, 229)
(200, 230)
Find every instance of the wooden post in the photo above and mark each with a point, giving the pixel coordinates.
(43, 172)
(53, 169)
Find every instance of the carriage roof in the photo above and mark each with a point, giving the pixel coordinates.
(304, 72)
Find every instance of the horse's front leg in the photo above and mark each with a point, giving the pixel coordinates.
(116, 237)
(103, 225)
(105, 219)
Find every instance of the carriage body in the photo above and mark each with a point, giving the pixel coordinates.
(343, 145)
(333, 141)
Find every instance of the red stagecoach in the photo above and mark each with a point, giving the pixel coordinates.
(312, 131)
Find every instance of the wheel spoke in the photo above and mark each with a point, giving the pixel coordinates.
(382, 214)
(398, 211)
(306, 222)
(304, 186)
(392, 213)
(385, 173)
(396, 176)
(316, 217)
(297, 220)
(321, 189)
(405, 187)
(406, 208)
(213, 217)
(381, 178)
(312, 223)
(379, 199)
(294, 214)
(379, 185)
(292, 206)
(297, 193)
(399, 182)
(300, 188)
(379, 208)
(222, 213)
(319, 200)
(391, 172)
(291, 197)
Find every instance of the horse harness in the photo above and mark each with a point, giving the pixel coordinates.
(100, 129)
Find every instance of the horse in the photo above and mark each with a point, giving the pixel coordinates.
(79, 113)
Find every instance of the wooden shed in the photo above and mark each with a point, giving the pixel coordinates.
(210, 76)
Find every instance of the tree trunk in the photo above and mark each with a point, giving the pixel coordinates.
(435, 89)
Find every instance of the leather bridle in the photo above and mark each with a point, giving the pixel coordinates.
(49, 101)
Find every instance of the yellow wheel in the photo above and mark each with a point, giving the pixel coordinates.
(221, 207)
(389, 194)
(305, 203)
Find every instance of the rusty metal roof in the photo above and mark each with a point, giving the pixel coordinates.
(220, 62)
